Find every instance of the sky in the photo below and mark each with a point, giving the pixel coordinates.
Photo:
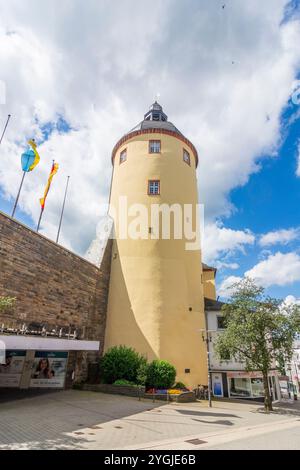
(78, 75)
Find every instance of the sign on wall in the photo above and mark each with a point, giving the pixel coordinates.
(49, 369)
(217, 385)
(11, 370)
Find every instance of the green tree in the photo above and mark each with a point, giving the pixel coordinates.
(259, 331)
(6, 302)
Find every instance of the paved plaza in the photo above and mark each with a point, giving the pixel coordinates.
(76, 419)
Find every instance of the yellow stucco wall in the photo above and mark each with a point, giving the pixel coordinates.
(209, 285)
(155, 283)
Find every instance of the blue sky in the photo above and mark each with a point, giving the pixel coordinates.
(225, 77)
(270, 201)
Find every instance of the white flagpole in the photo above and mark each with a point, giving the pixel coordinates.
(62, 210)
(8, 118)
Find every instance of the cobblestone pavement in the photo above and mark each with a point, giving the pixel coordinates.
(76, 419)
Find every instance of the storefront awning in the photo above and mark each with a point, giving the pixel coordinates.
(47, 344)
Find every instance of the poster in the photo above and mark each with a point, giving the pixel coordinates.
(11, 370)
(217, 385)
(49, 369)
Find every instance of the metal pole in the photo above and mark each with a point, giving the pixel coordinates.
(208, 359)
(208, 368)
(17, 198)
(40, 218)
(8, 118)
(62, 210)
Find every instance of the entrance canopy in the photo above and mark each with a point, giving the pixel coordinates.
(46, 344)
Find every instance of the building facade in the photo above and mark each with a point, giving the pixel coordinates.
(229, 377)
(156, 292)
(56, 326)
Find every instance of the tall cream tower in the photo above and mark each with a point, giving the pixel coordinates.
(156, 301)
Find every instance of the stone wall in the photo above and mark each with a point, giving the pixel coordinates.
(52, 286)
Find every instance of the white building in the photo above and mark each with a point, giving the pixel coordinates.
(290, 384)
(228, 377)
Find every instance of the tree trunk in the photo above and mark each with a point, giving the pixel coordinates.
(268, 398)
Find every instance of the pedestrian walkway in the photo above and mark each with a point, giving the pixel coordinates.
(75, 419)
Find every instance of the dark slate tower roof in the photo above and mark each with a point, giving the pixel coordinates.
(155, 118)
(155, 121)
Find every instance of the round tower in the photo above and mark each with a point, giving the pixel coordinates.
(156, 302)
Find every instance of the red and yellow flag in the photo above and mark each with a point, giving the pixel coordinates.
(54, 169)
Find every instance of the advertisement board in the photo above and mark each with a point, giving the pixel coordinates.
(11, 370)
(49, 369)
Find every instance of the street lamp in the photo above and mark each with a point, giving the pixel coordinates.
(207, 337)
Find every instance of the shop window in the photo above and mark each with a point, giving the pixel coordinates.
(240, 387)
(257, 387)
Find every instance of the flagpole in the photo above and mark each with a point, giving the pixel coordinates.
(40, 218)
(17, 198)
(62, 210)
(8, 118)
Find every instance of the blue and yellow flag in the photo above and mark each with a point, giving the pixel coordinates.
(30, 158)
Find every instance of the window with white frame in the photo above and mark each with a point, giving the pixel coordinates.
(153, 187)
(123, 156)
(154, 146)
(186, 157)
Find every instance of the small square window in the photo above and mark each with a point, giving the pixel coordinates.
(153, 187)
(186, 157)
(123, 156)
(221, 323)
(154, 146)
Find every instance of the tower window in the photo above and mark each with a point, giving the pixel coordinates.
(186, 157)
(154, 146)
(153, 187)
(123, 156)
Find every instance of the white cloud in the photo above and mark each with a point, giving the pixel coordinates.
(282, 237)
(99, 67)
(291, 300)
(223, 265)
(225, 289)
(219, 241)
(279, 269)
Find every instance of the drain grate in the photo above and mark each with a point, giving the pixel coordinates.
(196, 442)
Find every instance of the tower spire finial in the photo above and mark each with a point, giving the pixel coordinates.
(155, 113)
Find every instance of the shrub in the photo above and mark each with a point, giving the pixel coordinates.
(120, 362)
(124, 382)
(142, 372)
(180, 385)
(160, 374)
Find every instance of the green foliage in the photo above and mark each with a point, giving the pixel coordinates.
(6, 302)
(259, 330)
(179, 385)
(124, 382)
(142, 372)
(161, 374)
(120, 362)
